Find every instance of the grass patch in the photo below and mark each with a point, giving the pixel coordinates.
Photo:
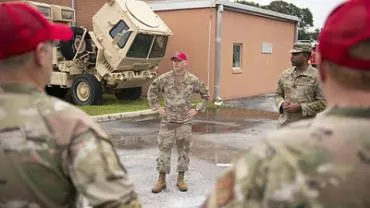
(113, 105)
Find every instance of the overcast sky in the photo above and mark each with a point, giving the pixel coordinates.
(320, 8)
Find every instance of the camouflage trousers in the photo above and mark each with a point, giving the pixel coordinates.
(169, 134)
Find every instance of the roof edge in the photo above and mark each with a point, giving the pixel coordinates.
(180, 5)
(172, 5)
(256, 10)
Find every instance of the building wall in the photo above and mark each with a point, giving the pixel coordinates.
(85, 10)
(193, 31)
(259, 72)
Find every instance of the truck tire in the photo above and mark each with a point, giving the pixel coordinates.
(128, 93)
(69, 48)
(87, 90)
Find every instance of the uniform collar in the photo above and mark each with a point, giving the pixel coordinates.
(18, 88)
(185, 72)
(308, 72)
(356, 112)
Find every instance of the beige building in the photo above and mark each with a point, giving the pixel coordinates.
(238, 50)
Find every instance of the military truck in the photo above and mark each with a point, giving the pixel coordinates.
(118, 56)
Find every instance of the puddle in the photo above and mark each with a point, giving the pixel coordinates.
(217, 136)
(234, 114)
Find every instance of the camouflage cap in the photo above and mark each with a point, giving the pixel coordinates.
(301, 47)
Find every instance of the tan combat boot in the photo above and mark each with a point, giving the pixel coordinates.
(181, 183)
(161, 183)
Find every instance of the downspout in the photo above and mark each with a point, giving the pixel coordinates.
(220, 9)
(73, 3)
(296, 31)
(209, 42)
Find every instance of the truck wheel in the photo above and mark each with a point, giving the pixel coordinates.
(87, 90)
(128, 93)
(69, 48)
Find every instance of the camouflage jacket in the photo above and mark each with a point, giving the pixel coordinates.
(319, 163)
(302, 89)
(177, 96)
(50, 152)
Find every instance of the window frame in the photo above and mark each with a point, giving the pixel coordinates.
(237, 69)
(131, 53)
(46, 11)
(156, 46)
(124, 33)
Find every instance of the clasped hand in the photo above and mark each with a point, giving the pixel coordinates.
(291, 107)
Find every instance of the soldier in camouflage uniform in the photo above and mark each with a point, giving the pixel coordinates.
(298, 94)
(176, 88)
(50, 152)
(323, 162)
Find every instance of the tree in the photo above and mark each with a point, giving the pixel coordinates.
(250, 3)
(304, 14)
(315, 34)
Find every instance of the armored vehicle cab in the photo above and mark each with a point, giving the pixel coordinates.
(131, 40)
(128, 40)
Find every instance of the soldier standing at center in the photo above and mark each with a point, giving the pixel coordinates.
(298, 94)
(176, 88)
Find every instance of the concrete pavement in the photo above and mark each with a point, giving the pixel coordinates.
(218, 138)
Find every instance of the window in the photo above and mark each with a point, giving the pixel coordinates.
(121, 30)
(68, 14)
(237, 55)
(45, 10)
(159, 47)
(141, 46)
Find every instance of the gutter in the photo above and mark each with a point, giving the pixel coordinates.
(256, 11)
(167, 5)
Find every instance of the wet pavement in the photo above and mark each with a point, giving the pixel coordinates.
(218, 138)
(264, 102)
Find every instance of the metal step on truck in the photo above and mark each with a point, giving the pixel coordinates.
(118, 56)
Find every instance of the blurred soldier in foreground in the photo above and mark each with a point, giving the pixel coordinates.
(50, 151)
(324, 162)
(176, 88)
(298, 95)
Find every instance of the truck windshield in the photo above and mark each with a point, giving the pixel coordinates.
(159, 47)
(141, 46)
